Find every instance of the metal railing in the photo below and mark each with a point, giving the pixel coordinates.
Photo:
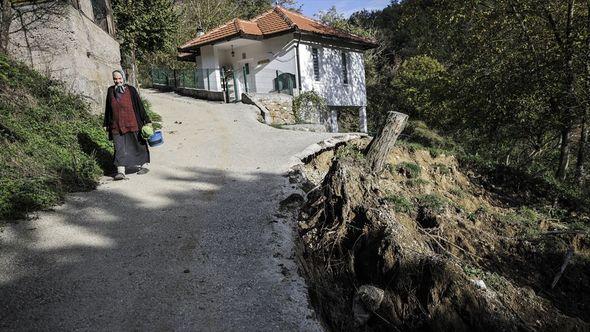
(232, 81)
(196, 78)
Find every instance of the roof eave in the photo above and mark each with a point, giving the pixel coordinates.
(364, 45)
(196, 47)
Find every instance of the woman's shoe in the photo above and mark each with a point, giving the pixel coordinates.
(143, 170)
(119, 176)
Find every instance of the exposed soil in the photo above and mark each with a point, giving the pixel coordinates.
(425, 246)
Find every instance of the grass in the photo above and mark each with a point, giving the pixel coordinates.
(350, 151)
(458, 192)
(50, 144)
(414, 183)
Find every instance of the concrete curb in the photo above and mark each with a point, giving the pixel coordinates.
(247, 99)
(322, 146)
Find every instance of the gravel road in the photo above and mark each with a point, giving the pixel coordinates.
(193, 245)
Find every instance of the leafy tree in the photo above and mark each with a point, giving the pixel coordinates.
(420, 85)
(144, 26)
(516, 71)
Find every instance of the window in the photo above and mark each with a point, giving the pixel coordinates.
(344, 68)
(316, 63)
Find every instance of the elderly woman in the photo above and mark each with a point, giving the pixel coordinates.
(123, 119)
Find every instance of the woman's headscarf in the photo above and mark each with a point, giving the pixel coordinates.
(119, 89)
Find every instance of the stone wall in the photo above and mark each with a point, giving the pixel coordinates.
(70, 47)
(279, 107)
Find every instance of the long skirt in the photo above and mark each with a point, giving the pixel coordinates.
(129, 152)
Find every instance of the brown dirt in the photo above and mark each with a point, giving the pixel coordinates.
(427, 234)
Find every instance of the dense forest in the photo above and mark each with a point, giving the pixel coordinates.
(506, 80)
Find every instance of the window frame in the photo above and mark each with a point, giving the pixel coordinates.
(345, 67)
(315, 60)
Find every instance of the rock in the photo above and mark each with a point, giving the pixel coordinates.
(479, 283)
(367, 300)
(294, 200)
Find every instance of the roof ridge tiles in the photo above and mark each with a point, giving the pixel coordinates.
(262, 14)
(237, 25)
(208, 33)
(274, 21)
(279, 10)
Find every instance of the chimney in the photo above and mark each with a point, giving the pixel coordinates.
(200, 31)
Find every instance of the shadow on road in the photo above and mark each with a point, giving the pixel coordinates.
(176, 258)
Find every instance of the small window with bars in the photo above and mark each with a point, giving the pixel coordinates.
(344, 68)
(316, 63)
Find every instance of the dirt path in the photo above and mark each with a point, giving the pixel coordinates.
(190, 246)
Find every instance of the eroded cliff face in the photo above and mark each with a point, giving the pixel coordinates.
(68, 46)
(423, 247)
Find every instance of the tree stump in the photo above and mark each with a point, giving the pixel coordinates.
(381, 145)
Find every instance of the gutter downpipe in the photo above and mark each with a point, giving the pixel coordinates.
(298, 66)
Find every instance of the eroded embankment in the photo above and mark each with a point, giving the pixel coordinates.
(423, 247)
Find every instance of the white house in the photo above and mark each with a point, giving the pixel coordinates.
(281, 51)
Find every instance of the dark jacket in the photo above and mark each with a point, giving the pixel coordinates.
(140, 114)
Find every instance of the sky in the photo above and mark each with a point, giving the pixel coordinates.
(347, 7)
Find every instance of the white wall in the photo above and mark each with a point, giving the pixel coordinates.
(331, 84)
(209, 59)
(278, 51)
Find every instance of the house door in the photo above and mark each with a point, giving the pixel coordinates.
(245, 76)
(231, 85)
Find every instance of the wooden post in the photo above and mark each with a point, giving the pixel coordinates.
(380, 147)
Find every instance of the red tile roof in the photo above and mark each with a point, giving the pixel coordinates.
(274, 21)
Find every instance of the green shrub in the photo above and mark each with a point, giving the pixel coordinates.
(433, 202)
(442, 169)
(400, 203)
(308, 103)
(408, 169)
(50, 143)
(350, 151)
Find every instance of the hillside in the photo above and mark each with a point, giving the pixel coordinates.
(441, 242)
(50, 144)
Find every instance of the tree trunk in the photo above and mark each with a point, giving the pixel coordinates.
(380, 147)
(564, 154)
(133, 72)
(5, 20)
(580, 171)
